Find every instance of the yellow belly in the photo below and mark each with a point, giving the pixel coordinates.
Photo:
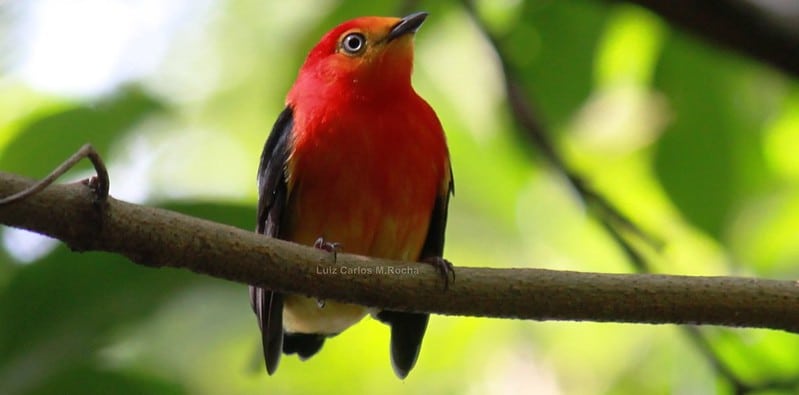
(303, 315)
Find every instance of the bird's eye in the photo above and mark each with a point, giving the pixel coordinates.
(353, 43)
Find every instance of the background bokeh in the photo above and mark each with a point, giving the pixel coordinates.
(696, 144)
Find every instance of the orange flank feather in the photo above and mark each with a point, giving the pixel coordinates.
(359, 159)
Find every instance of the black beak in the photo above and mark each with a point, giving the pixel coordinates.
(406, 25)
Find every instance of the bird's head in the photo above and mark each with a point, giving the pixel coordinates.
(365, 52)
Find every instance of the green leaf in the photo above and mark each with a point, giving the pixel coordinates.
(88, 380)
(59, 311)
(553, 46)
(47, 141)
(711, 154)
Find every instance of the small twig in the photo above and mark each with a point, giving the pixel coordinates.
(100, 183)
(706, 349)
(524, 115)
(612, 219)
(742, 26)
(635, 258)
(739, 385)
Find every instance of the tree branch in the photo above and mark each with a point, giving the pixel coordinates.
(735, 24)
(156, 237)
(725, 19)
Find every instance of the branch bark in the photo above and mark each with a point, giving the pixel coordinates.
(157, 237)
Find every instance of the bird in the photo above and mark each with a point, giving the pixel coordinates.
(356, 162)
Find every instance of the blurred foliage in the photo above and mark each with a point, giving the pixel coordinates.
(695, 144)
(59, 134)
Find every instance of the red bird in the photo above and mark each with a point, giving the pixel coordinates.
(359, 159)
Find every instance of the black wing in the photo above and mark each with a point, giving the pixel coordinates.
(268, 305)
(434, 242)
(407, 329)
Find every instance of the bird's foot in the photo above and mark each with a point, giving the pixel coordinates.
(332, 248)
(325, 245)
(444, 268)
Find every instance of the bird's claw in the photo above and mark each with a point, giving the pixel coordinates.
(332, 248)
(325, 245)
(444, 268)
